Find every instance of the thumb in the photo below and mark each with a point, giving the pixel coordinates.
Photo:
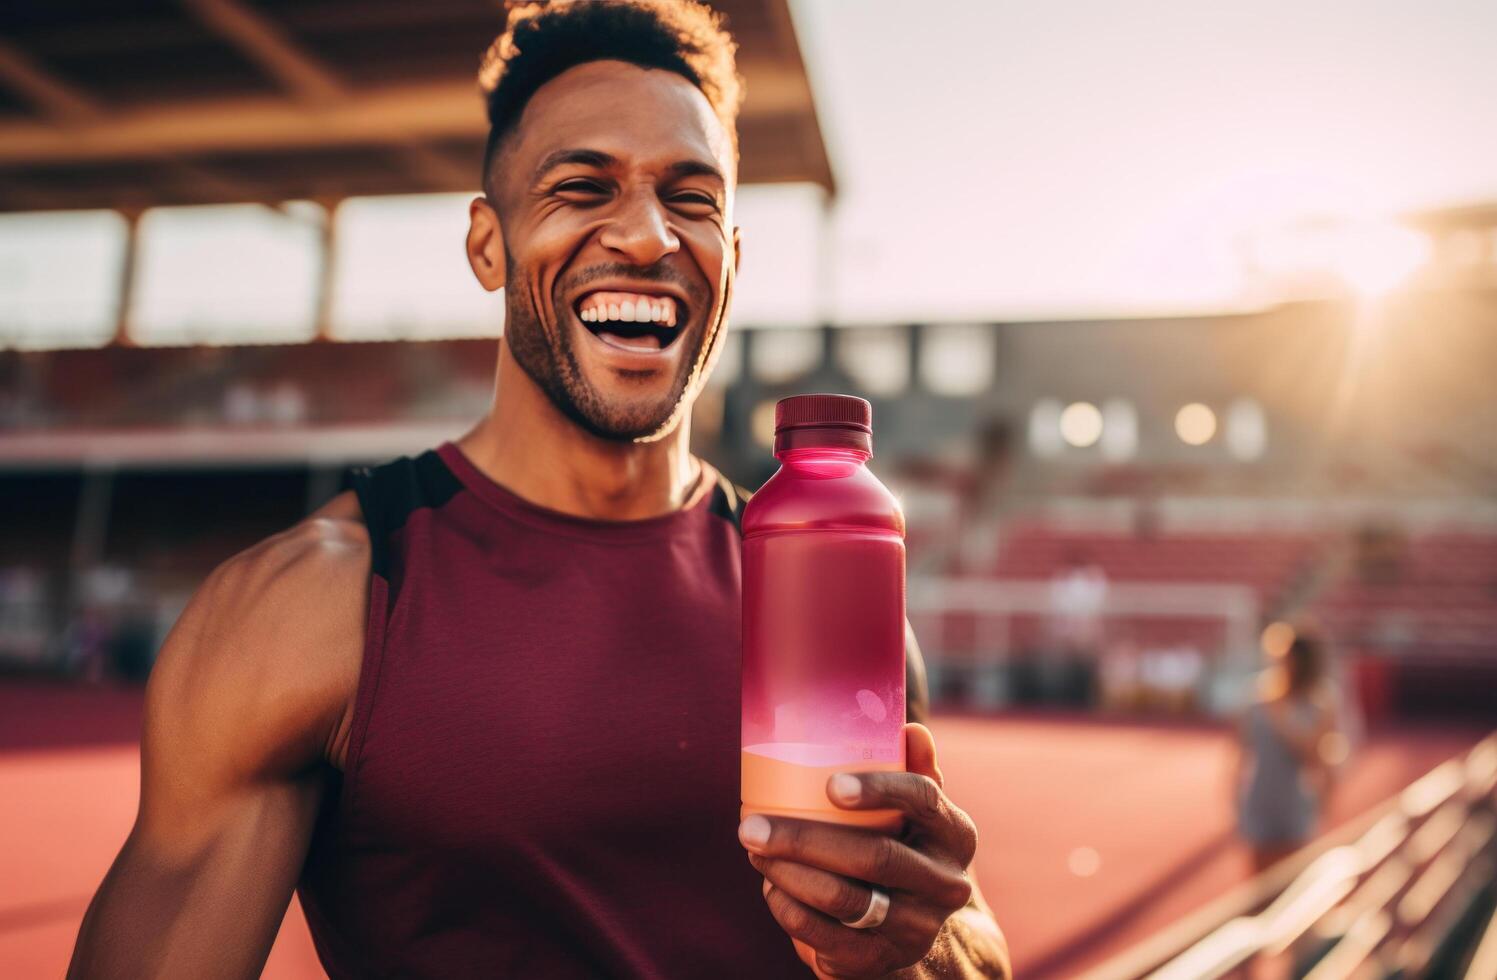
(920, 752)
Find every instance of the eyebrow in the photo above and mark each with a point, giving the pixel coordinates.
(601, 160)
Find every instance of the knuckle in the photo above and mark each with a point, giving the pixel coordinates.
(961, 892)
(927, 797)
(850, 901)
(968, 837)
(792, 915)
(884, 860)
(927, 927)
(783, 837)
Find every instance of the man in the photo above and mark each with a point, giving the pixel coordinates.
(483, 710)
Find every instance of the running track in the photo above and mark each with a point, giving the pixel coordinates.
(1149, 799)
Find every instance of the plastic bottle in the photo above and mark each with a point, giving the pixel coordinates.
(823, 617)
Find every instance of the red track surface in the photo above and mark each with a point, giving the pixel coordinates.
(1150, 799)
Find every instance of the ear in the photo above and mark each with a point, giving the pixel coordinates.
(737, 248)
(485, 244)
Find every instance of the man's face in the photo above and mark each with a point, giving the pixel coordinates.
(614, 194)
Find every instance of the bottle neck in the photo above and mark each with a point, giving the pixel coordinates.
(819, 439)
(822, 454)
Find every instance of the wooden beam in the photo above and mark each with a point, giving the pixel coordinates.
(812, 144)
(448, 109)
(212, 185)
(70, 106)
(433, 167)
(264, 43)
(42, 88)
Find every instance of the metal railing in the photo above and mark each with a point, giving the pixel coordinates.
(1398, 898)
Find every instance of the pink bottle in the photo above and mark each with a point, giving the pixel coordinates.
(823, 617)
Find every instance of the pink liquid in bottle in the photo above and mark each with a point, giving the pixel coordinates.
(823, 617)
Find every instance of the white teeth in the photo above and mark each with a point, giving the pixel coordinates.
(662, 310)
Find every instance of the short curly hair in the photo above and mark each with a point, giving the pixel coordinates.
(542, 40)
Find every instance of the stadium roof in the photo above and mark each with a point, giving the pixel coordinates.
(213, 101)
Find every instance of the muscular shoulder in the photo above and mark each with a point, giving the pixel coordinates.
(258, 674)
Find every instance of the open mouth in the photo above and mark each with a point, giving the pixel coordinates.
(636, 322)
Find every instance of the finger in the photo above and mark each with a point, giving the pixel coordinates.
(920, 752)
(838, 896)
(837, 947)
(852, 851)
(908, 919)
(918, 797)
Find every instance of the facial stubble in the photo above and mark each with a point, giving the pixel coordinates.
(548, 358)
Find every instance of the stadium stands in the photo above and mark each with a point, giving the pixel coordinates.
(1438, 599)
(1265, 562)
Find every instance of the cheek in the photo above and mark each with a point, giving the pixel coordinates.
(547, 250)
(708, 251)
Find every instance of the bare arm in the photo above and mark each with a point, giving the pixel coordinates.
(1308, 744)
(1240, 754)
(247, 697)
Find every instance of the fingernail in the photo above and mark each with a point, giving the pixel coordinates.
(767, 886)
(847, 788)
(754, 831)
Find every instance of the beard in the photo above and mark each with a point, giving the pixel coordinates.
(550, 359)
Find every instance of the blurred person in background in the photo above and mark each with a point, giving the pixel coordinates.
(483, 710)
(1290, 745)
(1078, 599)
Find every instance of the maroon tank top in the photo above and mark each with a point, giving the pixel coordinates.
(542, 772)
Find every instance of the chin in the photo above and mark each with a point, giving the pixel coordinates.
(619, 411)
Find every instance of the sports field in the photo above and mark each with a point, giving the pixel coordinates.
(1095, 833)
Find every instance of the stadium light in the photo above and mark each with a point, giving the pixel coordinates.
(877, 358)
(761, 423)
(1195, 424)
(1081, 424)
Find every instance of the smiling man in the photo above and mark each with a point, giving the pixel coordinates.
(482, 710)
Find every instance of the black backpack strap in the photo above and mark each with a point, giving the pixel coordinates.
(728, 499)
(389, 492)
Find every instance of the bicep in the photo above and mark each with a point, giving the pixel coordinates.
(230, 783)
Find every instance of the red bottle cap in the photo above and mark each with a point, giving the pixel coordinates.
(823, 422)
(834, 411)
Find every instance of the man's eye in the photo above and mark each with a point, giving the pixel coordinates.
(695, 198)
(581, 187)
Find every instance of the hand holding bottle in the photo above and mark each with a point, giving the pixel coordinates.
(819, 876)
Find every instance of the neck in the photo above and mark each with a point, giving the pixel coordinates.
(526, 445)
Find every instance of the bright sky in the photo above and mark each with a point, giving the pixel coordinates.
(999, 158)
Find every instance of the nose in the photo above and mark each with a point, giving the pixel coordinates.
(639, 231)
